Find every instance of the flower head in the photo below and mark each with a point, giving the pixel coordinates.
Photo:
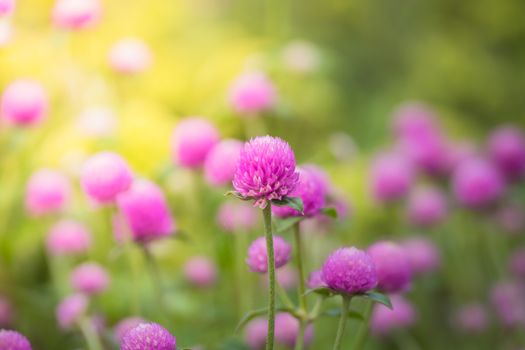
(391, 177)
(471, 318)
(192, 139)
(423, 255)
(255, 333)
(236, 216)
(200, 271)
(258, 255)
(508, 301)
(70, 310)
(47, 192)
(130, 56)
(125, 325)
(221, 162)
(517, 263)
(12, 340)
(6, 7)
(384, 320)
(315, 279)
(252, 93)
(76, 14)
(287, 330)
(89, 278)
(350, 271)
(68, 237)
(266, 170)
(414, 119)
(24, 103)
(148, 336)
(427, 207)
(506, 147)
(392, 264)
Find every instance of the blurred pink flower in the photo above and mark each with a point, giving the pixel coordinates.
(221, 162)
(392, 176)
(384, 320)
(90, 278)
(68, 237)
(200, 271)
(471, 318)
(76, 14)
(191, 141)
(6, 312)
(427, 206)
(7, 7)
(130, 56)
(423, 255)
(70, 310)
(47, 192)
(252, 93)
(24, 103)
(237, 216)
(124, 325)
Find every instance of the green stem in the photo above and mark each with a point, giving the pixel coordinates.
(284, 296)
(267, 215)
(155, 276)
(299, 342)
(362, 334)
(302, 290)
(90, 334)
(342, 322)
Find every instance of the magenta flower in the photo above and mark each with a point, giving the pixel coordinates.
(104, 176)
(192, 139)
(12, 340)
(125, 325)
(427, 207)
(47, 192)
(471, 318)
(506, 147)
(144, 212)
(76, 14)
(70, 310)
(24, 103)
(6, 312)
(130, 56)
(200, 272)
(266, 170)
(255, 333)
(258, 256)
(510, 217)
(252, 93)
(221, 162)
(391, 177)
(68, 237)
(7, 7)
(350, 271)
(423, 255)
(312, 193)
(414, 119)
(320, 175)
(287, 330)
(148, 336)
(236, 216)
(392, 264)
(477, 184)
(287, 277)
(315, 280)
(517, 263)
(90, 278)
(384, 321)
(508, 301)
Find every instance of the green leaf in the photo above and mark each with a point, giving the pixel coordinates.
(250, 316)
(324, 291)
(292, 202)
(378, 298)
(237, 195)
(181, 236)
(284, 224)
(337, 312)
(329, 211)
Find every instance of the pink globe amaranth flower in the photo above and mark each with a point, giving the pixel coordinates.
(7, 7)
(6, 312)
(392, 264)
(191, 141)
(125, 325)
(258, 255)
(47, 191)
(144, 213)
(476, 183)
(430, 154)
(287, 277)
(312, 193)
(506, 146)
(221, 162)
(130, 56)
(70, 310)
(508, 301)
(68, 237)
(423, 255)
(315, 280)
(76, 14)
(12, 340)
(427, 207)
(287, 330)
(471, 318)
(266, 170)
(200, 272)
(148, 336)
(89, 278)
(255, 333)
(104, 176)
(237, 216)
(516, 263)
(320, 175)
(414, 119)
(384, 321)
(392, 176)
(460, 152)
(252, 93)
(24, 103)
(350, 271)
(510, 217)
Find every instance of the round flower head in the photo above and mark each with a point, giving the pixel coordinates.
(145, 212)
(76, 14)
(130, 56)
(506, 147)
(104, 176)
(301, 56)
(125, 325)
(234, 216)
(24, 103)
(70, 310)
(68, 237)
(350, 271)
(6, 7)
(414, 119)
(392, 265)
(148, 336)
(89, 278)
(312, 193)
(508, 301)
(423, 255)
(510, 217)
(11, 340)
(252, 93)
(6, 312)
(287, 277)
(287, 330)
(191, 141)
(320, 175)
(471, 318)
(391, 177)
(47, 192)
(266, 170)
(476, 183)
(221, 162)
(517, 263)
(255, 333)
(200, 272)
(384, 320)
(427, 207)
(258, 256)
(315, 280)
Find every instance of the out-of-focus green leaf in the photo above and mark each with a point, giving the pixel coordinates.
(292, 202)
(336, 312)
(324, 291)
(284, 224)
(329, 211)
(378, 298)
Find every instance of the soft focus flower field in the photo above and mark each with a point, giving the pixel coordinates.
(246, 175)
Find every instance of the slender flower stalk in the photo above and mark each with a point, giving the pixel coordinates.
(342, 321)
(267, 215)
(299, 344)
(90, 334)
(155, 276)
(362, 333)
